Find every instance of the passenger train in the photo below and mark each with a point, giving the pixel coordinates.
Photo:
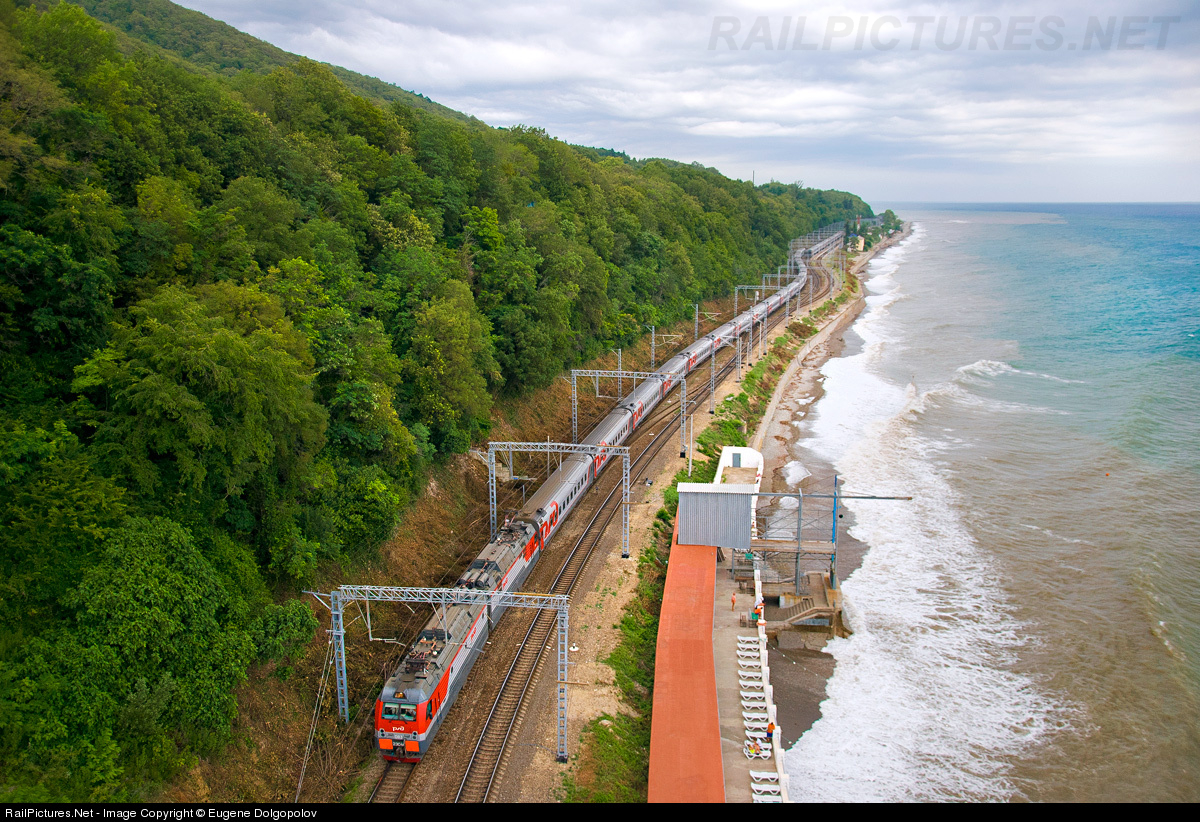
(417, 697)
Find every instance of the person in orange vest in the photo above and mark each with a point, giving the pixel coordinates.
(733, 601)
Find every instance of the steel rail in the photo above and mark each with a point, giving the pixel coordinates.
(392, 782)
(496, 750)
(522, 671)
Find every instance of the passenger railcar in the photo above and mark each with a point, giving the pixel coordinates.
(416, 698)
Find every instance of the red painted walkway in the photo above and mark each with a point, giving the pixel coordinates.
(685, 729)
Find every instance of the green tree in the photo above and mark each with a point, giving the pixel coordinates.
(56, 510)
(451, 359)
(160, 607)
(267, 217)
(200, 392)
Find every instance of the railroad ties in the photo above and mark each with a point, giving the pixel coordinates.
(489, 758)
(392, 783)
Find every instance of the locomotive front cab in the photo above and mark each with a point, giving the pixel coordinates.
(405, 709)
(399, 727)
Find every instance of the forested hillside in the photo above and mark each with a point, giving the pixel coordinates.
(216, 47)
(241, 313)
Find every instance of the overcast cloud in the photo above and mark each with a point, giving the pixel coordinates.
(885, 99)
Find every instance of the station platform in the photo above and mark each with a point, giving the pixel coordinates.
(685, 733)
(698, 726)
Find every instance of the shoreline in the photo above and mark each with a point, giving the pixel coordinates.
(800, 674)
(612, 585)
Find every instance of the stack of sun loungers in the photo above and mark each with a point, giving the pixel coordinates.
(764, 785)
(754, 698)
(758, 712)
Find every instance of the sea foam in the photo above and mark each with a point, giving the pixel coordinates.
(924, 703)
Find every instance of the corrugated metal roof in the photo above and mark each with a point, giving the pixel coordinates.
(713, 488)
(715, 515)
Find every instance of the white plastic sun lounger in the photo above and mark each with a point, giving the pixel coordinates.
(764, 776)
(764, 753)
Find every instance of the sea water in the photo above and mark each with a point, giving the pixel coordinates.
(1028, 626)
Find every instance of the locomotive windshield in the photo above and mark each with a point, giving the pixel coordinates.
(403, 713)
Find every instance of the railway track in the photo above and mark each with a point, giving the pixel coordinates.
(508, 501)
(490, 754)
(392, 782)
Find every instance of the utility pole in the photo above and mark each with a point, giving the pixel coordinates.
(683, 415)
(620, 368)
(691, 442)
(712, 381)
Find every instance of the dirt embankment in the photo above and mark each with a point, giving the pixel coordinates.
(438, 535)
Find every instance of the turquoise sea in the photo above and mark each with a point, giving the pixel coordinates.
(1028, 627)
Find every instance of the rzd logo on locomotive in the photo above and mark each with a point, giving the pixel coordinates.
(599, 460)
(550, 521)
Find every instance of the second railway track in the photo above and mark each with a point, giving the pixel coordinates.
(491, 751)
(489, 754)
(488, 759)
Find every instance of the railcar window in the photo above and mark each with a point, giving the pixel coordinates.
(408, 713)
(391, 710)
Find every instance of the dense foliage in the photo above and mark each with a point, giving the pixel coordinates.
(240, 313)
(888, 225)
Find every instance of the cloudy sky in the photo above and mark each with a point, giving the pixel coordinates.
(1051, 101)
